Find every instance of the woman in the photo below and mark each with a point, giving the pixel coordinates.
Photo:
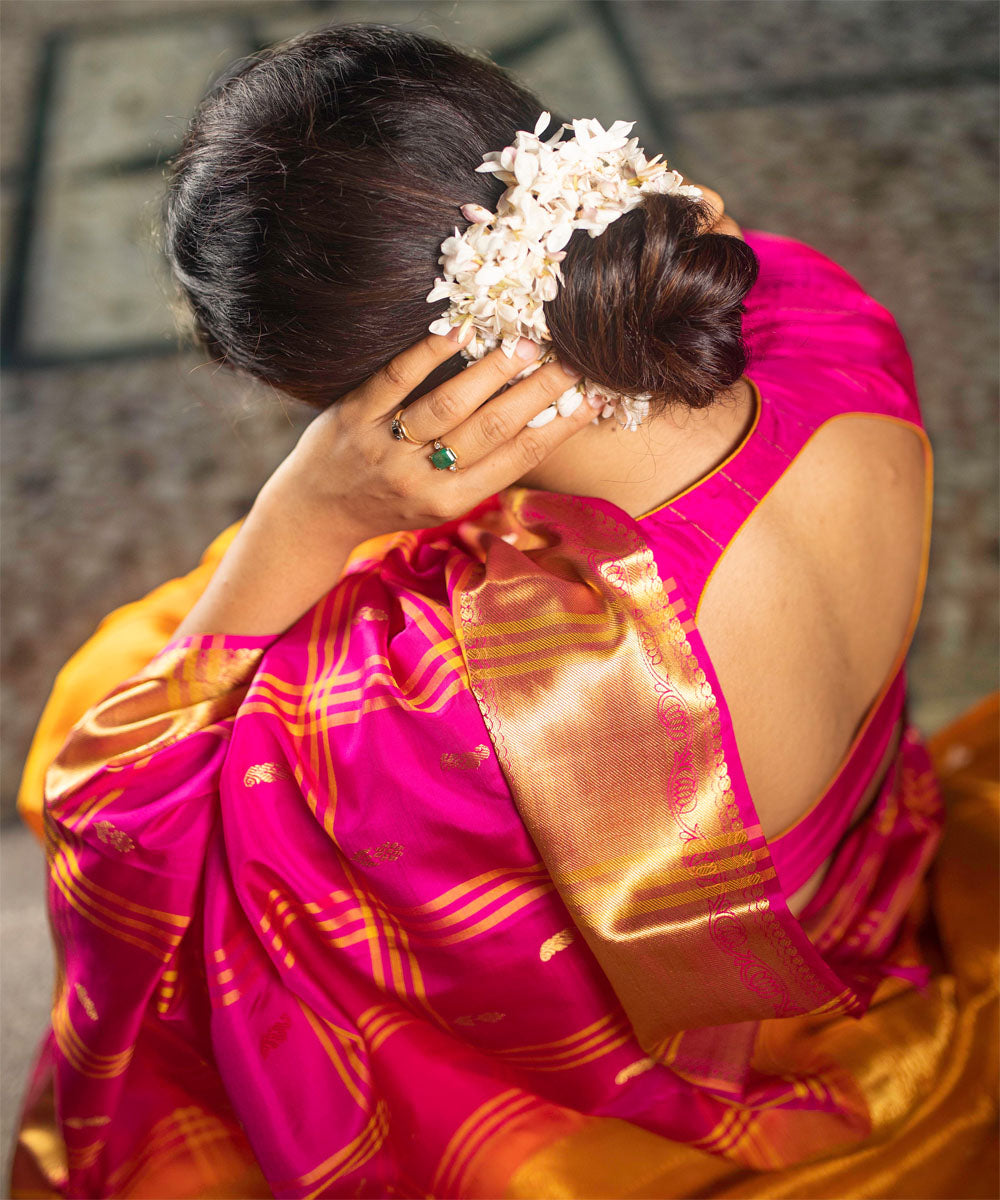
(547, 826)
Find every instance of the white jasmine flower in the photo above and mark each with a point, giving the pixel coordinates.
(476, 213)
(544, 417)
(569, 401)
(441, 290)
(500, 273)
(488, 275)
(542, 123)
(525, 167)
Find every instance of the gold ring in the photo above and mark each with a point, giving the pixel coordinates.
(399, 430)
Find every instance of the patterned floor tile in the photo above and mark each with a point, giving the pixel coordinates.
(10, 195)
(26, 970)
(127, 96)
(116, 477)
(558, 48)
(485, 26)
(21, 62)
(96, 281)
(741, 49)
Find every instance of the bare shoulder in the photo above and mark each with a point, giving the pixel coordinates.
(812, 602)
(869, 449)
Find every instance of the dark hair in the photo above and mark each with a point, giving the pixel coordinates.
(305, 211)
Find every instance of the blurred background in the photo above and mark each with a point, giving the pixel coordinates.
(867, 128)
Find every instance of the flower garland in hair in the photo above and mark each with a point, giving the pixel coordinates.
(501, 270)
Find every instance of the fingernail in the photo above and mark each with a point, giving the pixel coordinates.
(526, 350)
(596, 402)
(572, 372)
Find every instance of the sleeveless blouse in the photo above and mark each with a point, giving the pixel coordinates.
(800, 383)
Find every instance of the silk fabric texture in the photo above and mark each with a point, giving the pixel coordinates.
(449, 890)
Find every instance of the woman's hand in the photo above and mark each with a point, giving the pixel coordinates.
(721, 221)
(348, 463)
(348, 479)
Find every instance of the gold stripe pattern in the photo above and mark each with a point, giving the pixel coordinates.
(105, 909)
(184, 690)
(662, 872)
(187, 1131)
(75, 1050)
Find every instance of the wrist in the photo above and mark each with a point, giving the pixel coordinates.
(288, 553)
(299, 496)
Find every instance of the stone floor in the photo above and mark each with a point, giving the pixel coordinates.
(865, 128)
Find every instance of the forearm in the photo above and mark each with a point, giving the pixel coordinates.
(288, 554)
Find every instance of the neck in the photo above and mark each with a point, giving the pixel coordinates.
(642, 469)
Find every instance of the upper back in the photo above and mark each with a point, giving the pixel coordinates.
(802, 556)
(809, 609)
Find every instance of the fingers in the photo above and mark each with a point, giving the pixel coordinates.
(502, 418)
(507, 463)
(390, 385)
(443, 410)
(715, 203)
(717, 221)
(728, 226)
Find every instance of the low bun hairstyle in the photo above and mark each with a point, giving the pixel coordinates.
(655, 304)
(305, 210)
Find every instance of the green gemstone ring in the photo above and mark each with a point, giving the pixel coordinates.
(444, 458)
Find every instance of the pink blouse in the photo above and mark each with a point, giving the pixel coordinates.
(801, 382)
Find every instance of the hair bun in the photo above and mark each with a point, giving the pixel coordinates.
(654, 305)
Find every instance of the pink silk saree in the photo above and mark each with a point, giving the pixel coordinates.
(451, 890)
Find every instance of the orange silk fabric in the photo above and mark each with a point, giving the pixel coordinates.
(924, 1062)
(120, 647)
